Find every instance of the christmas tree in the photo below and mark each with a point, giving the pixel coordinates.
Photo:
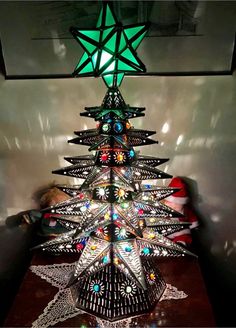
(116, 224)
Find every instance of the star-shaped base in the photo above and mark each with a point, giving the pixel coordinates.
(63, 307)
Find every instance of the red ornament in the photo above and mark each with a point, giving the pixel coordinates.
(79, 246)
(140, 211)
(104, 157)
(81, 196)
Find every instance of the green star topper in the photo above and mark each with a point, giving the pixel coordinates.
(109, 48)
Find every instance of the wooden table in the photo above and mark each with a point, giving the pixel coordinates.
(183, 273)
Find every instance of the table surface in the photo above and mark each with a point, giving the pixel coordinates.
(183, 273)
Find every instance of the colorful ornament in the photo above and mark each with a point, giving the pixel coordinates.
(118, 127)
(119, 157)
(102, 193)
(105, 157)
(79, 246)
(131, 153)
(106, 127)
(97, 287)
(128, 125)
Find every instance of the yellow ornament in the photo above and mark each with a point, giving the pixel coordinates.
(121, 192)
(152, 276)
(120, 157)
(151, 235)
(116, 260)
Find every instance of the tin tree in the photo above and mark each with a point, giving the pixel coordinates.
(117, 225)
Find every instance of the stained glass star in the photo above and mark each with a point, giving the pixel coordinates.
(109, 48)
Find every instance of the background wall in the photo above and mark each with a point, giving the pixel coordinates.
(195, 123)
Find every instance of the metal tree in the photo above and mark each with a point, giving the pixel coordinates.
(116, 224)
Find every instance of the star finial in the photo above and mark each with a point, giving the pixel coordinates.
(109, 48)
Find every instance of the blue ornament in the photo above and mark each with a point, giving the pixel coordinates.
(115, 216)
(118, 127)
(147, 186)
(87, 205)
(131, 153)
(128, 249)
(96, 288)
(105, 260)
(146, 250)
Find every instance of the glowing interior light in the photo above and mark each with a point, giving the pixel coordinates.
(101, 191)
(131, 153)
(122, 232)
(128, 289)
(125, 205)
(120, 157)
(151, 235)
(121, 192)
(179, 139)
(83, 208)
(152, 276)
(165, 127)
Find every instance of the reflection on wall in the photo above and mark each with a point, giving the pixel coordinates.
(195, 123)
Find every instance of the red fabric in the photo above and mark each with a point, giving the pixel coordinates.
(185, 235)
(49, 215)
(186, 239)
(178, 183)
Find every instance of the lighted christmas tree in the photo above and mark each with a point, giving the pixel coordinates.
(117, 225)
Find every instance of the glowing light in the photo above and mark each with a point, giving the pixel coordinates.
(96, 288)
(115, 216)
(106, 127)
(146, 251)
(105, 260)
(131, 153)
(122, 232)
(165, 127)
(125, 205)
(79, 246)
(83, 208)
(152, 276)
(151, 235)
(128, 249)
(101, 191)
(121, 192)
(128, 125)
(128, 289)
(116, 261)
(179, 139)
(118, 127)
